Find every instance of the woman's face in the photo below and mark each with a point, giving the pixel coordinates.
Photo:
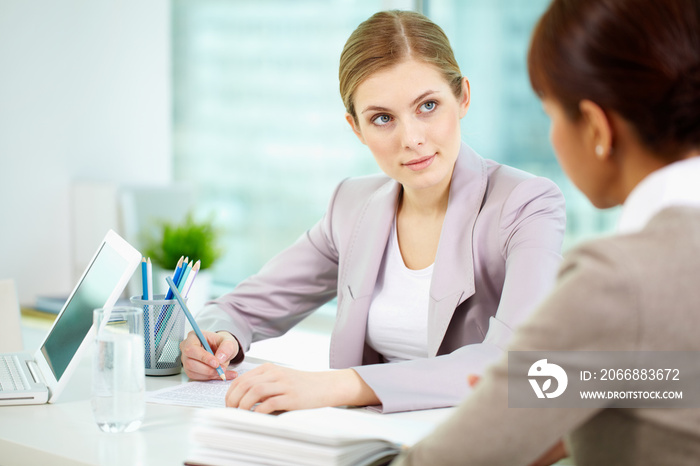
(409, 118)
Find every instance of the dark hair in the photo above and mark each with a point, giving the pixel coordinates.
(638, 58)
(388, 38)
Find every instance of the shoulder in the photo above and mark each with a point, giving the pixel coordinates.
(354, 197)
(353, 194)
(517, 200)
(669, 243)
(592, 306)
(506, 182)
(499, 186)
(620, 292)
(363, 186)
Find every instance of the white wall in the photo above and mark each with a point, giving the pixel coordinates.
(84, 96)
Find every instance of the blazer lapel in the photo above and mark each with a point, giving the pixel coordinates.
(453, 274)
(359, 274)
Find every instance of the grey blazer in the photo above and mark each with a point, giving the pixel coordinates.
(497, 257)
(636, 292)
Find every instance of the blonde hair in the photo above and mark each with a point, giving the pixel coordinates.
(388, 38)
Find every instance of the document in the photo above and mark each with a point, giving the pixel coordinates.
(209, 394)
(324, 436)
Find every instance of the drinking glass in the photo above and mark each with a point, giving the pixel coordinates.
(118, 376)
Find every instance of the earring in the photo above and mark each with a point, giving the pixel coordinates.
(599, 151)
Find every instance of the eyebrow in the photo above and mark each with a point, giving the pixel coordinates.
(383, 109)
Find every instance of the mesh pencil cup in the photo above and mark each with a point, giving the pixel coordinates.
(164, 330)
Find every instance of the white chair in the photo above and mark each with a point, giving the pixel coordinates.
(142, 208)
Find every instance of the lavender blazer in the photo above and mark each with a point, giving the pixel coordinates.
(497, 258)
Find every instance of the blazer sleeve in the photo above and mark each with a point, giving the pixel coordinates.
(591, 308)
(288, 288)
(531, 228)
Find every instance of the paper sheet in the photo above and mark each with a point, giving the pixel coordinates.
(209, 394)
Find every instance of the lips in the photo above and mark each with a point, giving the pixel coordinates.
(420, 163)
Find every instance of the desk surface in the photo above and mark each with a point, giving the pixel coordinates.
(65, 433)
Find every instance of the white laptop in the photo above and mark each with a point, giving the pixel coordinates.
(38, 378)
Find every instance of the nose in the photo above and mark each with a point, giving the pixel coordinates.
(413, 136)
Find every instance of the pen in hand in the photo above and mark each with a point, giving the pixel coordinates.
(194, 325)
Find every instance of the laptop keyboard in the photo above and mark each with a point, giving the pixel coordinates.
(10, 374)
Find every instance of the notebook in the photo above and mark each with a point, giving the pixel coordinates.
(40, 377)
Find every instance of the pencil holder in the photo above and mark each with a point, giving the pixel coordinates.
(164, 330)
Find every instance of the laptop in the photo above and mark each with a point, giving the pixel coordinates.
(40, 377)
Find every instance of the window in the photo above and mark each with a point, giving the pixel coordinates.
(505, 121)
(259, 126)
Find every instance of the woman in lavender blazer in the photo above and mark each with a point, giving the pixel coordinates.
(496, 255)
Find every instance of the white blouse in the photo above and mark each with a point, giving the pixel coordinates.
(398, 315)
(677, 184)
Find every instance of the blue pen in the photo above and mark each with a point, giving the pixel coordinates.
(193, 323)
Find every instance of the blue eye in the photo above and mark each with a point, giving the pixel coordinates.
(381, 120)
(428, 106)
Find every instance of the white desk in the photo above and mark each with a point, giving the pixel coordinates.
(65, 433)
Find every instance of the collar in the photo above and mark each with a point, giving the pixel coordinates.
(675, 184)
(467, 190)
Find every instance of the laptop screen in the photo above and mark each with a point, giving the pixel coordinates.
(76, 319)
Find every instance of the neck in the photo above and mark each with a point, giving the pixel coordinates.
(426, 202)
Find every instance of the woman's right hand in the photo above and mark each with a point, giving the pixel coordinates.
(200, 364)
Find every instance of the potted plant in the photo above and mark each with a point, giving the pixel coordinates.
(189, 238)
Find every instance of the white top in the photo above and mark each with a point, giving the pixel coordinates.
(398, 315)
(677, 184)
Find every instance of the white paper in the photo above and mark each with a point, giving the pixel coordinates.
(209, 394)
(322, 436)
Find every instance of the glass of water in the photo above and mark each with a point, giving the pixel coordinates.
(118, 376)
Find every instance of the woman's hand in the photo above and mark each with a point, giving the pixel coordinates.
(200, 364)
(276, 388)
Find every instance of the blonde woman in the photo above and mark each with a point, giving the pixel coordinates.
(434, 263)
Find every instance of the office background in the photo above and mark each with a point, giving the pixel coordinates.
(235, 99)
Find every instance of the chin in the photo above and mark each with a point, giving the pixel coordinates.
(603, 203)
(426, 181)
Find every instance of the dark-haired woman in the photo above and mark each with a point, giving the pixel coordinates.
(620, 81)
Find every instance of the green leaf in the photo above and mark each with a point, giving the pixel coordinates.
(196, 240)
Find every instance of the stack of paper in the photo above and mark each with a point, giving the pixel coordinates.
(323, 437)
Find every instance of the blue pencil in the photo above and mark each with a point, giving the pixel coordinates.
(193, 323)
(149, 278)
(190, 279)
(176, 277)
(164, 314)
(144, 279)
(183, 276)
(145, 291)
